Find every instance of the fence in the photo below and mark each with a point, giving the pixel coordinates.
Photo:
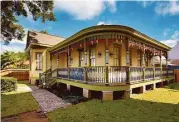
(20, 74)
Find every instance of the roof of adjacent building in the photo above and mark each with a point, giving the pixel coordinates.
(174, 62)
(42, 39)
(174, 52)
(106, 28)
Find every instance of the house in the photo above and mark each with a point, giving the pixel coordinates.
(36, 46)
(174, 56)
(174, 60)
(114, 61)
(173, 53)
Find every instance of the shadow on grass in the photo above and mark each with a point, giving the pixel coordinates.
(126, 110)
(151, 107)
(12, 104)
(174, 86)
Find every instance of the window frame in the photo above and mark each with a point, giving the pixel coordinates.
(81, 58)
(39, 62)
(119, 55)
(94, 56)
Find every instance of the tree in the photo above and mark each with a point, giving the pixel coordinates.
(10, 29)
(44, 31)
(11, 58)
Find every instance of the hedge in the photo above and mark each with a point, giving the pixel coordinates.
(8, 84)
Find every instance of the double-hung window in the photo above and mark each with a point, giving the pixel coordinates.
(81, 57)
(39, 64)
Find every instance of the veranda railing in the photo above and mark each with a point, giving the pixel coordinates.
(110, 75)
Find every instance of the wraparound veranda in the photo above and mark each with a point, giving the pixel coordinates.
(114, 60)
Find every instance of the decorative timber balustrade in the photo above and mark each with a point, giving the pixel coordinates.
(76, 74)
(117, 74)
(95, 74)
(157, 73)
(149, 73)
(109, 75)
(136, 74)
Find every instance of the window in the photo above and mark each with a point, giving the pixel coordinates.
(38, 61)
(92, 56)
(139, 58)
(81, 58)
(116, 58)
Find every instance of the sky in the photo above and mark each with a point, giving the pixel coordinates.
(159, 20)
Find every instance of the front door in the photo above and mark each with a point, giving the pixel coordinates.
(116, 58)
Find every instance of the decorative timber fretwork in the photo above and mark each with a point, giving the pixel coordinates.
(148, 49)
(133, 44)
(113, 38)
(165, 54)
(77, 46)
(156, 52)
(94, 40)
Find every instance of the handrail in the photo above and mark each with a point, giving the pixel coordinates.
(48, 70)
(113, 74)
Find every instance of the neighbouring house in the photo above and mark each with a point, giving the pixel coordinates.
(36, 46)
(174, 60)
(174, 56)
(114, 61)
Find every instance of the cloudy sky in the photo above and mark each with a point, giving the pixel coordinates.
(159, 20)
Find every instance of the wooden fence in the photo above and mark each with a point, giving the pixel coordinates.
(176, 72)
(20, 74)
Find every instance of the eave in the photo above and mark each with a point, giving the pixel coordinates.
(110, 28)
(37, 44)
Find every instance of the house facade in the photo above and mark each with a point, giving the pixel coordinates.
(114, 60)
(37, 44)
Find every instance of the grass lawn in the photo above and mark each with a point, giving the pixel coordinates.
(16, 102)
(160, 105)
(24, 83)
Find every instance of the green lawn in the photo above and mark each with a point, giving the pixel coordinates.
(160, 105)
(25, 83)
(16, 102)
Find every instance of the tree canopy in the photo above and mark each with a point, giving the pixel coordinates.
(44, 31)
(10, 28)
(15, 60)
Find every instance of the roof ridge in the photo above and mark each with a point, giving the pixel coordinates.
(45, 33)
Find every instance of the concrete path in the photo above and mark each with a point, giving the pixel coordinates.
(48, 101)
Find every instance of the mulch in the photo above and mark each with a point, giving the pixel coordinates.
(33, 116)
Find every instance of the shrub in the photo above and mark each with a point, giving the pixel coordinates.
(8, 84)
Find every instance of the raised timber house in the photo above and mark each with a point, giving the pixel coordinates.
(113, 61)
